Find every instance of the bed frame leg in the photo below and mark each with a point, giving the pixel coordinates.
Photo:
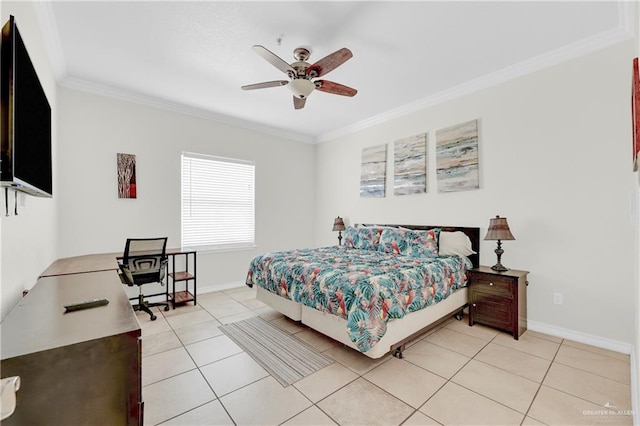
(398, 352)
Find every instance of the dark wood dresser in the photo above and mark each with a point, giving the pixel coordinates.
(76, 368)
(499, 299)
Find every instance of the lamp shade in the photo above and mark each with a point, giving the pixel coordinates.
(499, 229)
(338, 224)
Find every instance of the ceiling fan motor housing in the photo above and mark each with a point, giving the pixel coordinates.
(301, 68)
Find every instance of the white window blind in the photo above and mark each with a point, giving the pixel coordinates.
(217, 202)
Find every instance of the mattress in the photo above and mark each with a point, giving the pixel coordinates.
(365, 288)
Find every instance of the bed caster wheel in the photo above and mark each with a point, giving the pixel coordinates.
(398, 353)
(459, 315)
(166, 308)
(153, 317)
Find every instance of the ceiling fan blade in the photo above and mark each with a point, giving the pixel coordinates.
(273, 59)
(329, 62)
(299, 103)
(265, 85)
(335, 88)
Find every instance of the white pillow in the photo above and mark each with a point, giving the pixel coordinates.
(455, 243)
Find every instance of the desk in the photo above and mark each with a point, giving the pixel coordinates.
(109, 262)
(82, 264)
(80, 367)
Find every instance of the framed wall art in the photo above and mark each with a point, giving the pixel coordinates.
(457, 157)
(635, 114)
(373, 171)
(126, 166)
(410, 165)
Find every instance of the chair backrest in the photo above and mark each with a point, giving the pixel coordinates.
(145, 259)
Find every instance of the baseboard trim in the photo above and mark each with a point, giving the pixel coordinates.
(577, 336)
(220, 287)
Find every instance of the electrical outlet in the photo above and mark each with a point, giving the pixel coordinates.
(557, 298)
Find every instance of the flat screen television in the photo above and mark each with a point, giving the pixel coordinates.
(25, 120)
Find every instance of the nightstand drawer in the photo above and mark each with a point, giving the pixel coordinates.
(500, 286)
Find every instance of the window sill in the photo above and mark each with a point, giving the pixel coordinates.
(219, 250)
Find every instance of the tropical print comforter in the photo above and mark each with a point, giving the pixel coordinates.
(365, 287)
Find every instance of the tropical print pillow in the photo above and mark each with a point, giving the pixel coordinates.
(409, 242)
(427, 241)
(363, 238)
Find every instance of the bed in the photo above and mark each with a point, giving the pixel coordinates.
(384, 286)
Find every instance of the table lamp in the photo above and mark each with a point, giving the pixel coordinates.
(499, 230)
(338, 225)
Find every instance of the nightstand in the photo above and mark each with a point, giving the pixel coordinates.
(499, 299)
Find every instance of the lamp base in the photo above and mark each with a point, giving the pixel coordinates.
(499, 267)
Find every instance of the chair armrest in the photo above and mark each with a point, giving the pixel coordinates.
(163, 269)
(125, 275)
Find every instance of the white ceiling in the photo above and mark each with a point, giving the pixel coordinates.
(194, 56)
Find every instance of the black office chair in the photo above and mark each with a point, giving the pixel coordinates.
(144, 262)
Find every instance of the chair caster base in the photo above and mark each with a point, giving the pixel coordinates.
(153, 317)
(166, 308)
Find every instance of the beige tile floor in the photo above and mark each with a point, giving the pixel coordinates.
(192, 374)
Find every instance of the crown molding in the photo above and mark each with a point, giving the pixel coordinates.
(55, 52)
(574, 50)
(130, 96)
(627, 23)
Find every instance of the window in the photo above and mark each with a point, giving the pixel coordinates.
(217, 202)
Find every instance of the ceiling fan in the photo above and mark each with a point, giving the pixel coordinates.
(301, 74)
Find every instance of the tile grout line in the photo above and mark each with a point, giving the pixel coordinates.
(533, 400)
(197, 367)
(218, 398)
(315, 404)
(450, 380)
(553, 362)
(447, 380)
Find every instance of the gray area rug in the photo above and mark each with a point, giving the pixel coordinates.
(285, 356)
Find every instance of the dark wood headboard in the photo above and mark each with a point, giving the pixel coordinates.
(472, 233)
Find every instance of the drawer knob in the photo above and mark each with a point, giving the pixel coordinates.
(491, 284)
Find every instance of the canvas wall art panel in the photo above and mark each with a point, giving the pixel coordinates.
(373, 173)
(457, 157)
(126, 164)
(410, 165)
(635, 114)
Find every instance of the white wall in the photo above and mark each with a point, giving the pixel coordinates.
(555, 159)
(29, 239)
(93, 129)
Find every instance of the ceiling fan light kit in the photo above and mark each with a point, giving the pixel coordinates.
(301, 87)
(301, 74)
